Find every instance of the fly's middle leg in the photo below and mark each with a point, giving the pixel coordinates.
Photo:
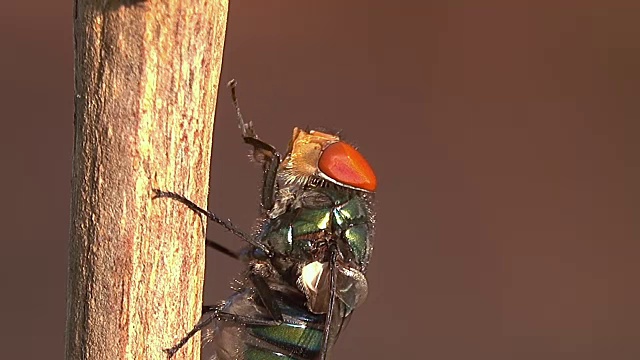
(223, 249)
(211, 216)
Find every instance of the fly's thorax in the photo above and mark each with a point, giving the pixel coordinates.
(321, 216)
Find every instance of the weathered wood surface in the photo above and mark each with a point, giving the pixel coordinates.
(147, 75)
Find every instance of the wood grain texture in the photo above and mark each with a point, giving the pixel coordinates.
(146, 82)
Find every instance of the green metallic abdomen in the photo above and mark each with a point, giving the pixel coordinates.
(301, 340)
(299, 337)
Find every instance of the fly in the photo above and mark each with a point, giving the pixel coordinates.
(305, 267)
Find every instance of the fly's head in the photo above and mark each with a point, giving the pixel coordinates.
(315, 157)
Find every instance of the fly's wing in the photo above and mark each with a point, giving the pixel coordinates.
(344, 321)
(300, 336)
(223, 339)
(227, 339)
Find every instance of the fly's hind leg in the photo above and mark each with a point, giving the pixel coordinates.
(210, 313)
(211, 216)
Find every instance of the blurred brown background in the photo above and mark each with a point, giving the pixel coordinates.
(504, 135)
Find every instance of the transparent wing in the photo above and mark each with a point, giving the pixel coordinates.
(299, 337)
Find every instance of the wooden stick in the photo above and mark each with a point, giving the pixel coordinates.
(146, 81)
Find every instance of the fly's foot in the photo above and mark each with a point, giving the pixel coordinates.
(170, 352)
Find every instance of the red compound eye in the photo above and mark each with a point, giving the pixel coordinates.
(344, 164)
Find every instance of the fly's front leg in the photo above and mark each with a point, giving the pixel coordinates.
(211, 216)
(270, 159)
(263, 153)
